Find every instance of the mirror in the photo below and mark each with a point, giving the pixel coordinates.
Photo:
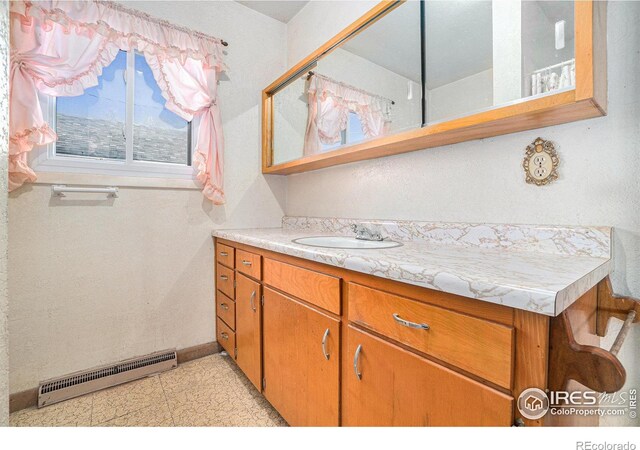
(483, 54)
(415, 74)
(368, 87)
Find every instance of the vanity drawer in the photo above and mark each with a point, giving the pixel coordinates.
(225, 255)
(314, 287)
(248, 263)
(226, 310)
(226, 337)
(478, 346)
(224, 280)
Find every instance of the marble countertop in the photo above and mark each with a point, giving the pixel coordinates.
(542, 281)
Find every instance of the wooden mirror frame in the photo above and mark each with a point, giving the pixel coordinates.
(587, 100)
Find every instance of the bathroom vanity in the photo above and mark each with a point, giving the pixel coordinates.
(446, 329)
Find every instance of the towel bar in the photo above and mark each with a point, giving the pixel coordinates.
(58, 190)
(624, 331)
(612, 305)
(592, 366)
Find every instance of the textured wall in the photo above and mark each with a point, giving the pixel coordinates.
(94, 281)
(482, 180)
(4, 141)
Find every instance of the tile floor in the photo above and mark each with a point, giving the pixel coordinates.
(210, 391)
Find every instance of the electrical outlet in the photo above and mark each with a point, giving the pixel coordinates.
(540, 163)
(540, 166)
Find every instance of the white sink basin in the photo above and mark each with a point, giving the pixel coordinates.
(344, 242)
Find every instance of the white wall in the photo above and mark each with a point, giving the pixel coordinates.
(482, 180)
(507, 50)
(318, 21)
(4, 147)
(93, 281)
(290, 113)
(461, 97)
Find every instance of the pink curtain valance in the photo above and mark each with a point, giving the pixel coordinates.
(329, 104)
(126, 28)
(59, 48)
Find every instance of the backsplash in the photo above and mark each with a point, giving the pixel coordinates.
(579, 240)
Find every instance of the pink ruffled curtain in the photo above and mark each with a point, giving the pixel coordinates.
(190, 89)
(59, 48)
(329, 104)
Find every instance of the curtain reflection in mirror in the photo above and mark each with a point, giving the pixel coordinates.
(330, 103)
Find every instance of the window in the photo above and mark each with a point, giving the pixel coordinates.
(352, 134)
(119, 127)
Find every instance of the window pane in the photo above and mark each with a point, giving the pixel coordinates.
(355, 129)
(158, 134)
(93, 124)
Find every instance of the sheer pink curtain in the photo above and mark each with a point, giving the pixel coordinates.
(46, 58)
(329, 104)
(59, 48)
(190, 89)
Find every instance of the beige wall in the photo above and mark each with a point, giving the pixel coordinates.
(94, 281)
(482, 180)
(4, 142)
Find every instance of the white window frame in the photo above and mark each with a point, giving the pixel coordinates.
(45, 159)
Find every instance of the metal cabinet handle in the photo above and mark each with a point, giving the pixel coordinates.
(224, 277)
(252, 301)
(224, 335)
(246, 263)
(406, 323)
(324, 343)
(224, 254)
(356, 360)
(224, 306)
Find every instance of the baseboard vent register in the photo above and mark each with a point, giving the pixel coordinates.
(85, 382)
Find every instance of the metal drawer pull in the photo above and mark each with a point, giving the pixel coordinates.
(246, 263)
(224, 306)
(356, 360)
(406, 323)
(324, 342)
(224, 335)
(224, 254)
(252, 301)
(224, 277)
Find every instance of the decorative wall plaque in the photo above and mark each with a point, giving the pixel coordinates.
(541, 162)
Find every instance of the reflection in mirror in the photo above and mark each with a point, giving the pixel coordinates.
(368, 87)
(484, 54)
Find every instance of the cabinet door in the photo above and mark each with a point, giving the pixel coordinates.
(384, 385)
(301, 372)
(248, 330)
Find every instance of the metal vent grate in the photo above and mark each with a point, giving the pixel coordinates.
(72, 381)
(60, 389)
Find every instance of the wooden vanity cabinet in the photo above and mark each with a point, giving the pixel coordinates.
(297, 326)
(249, 328)
(301, 361)
(385, 385)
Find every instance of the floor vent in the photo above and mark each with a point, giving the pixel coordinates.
(80, 383)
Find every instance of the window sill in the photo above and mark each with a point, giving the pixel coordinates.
(89, 179)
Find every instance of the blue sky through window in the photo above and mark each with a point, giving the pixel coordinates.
(158, 135)
(106, 101)
(149, 102)
(93, 124)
